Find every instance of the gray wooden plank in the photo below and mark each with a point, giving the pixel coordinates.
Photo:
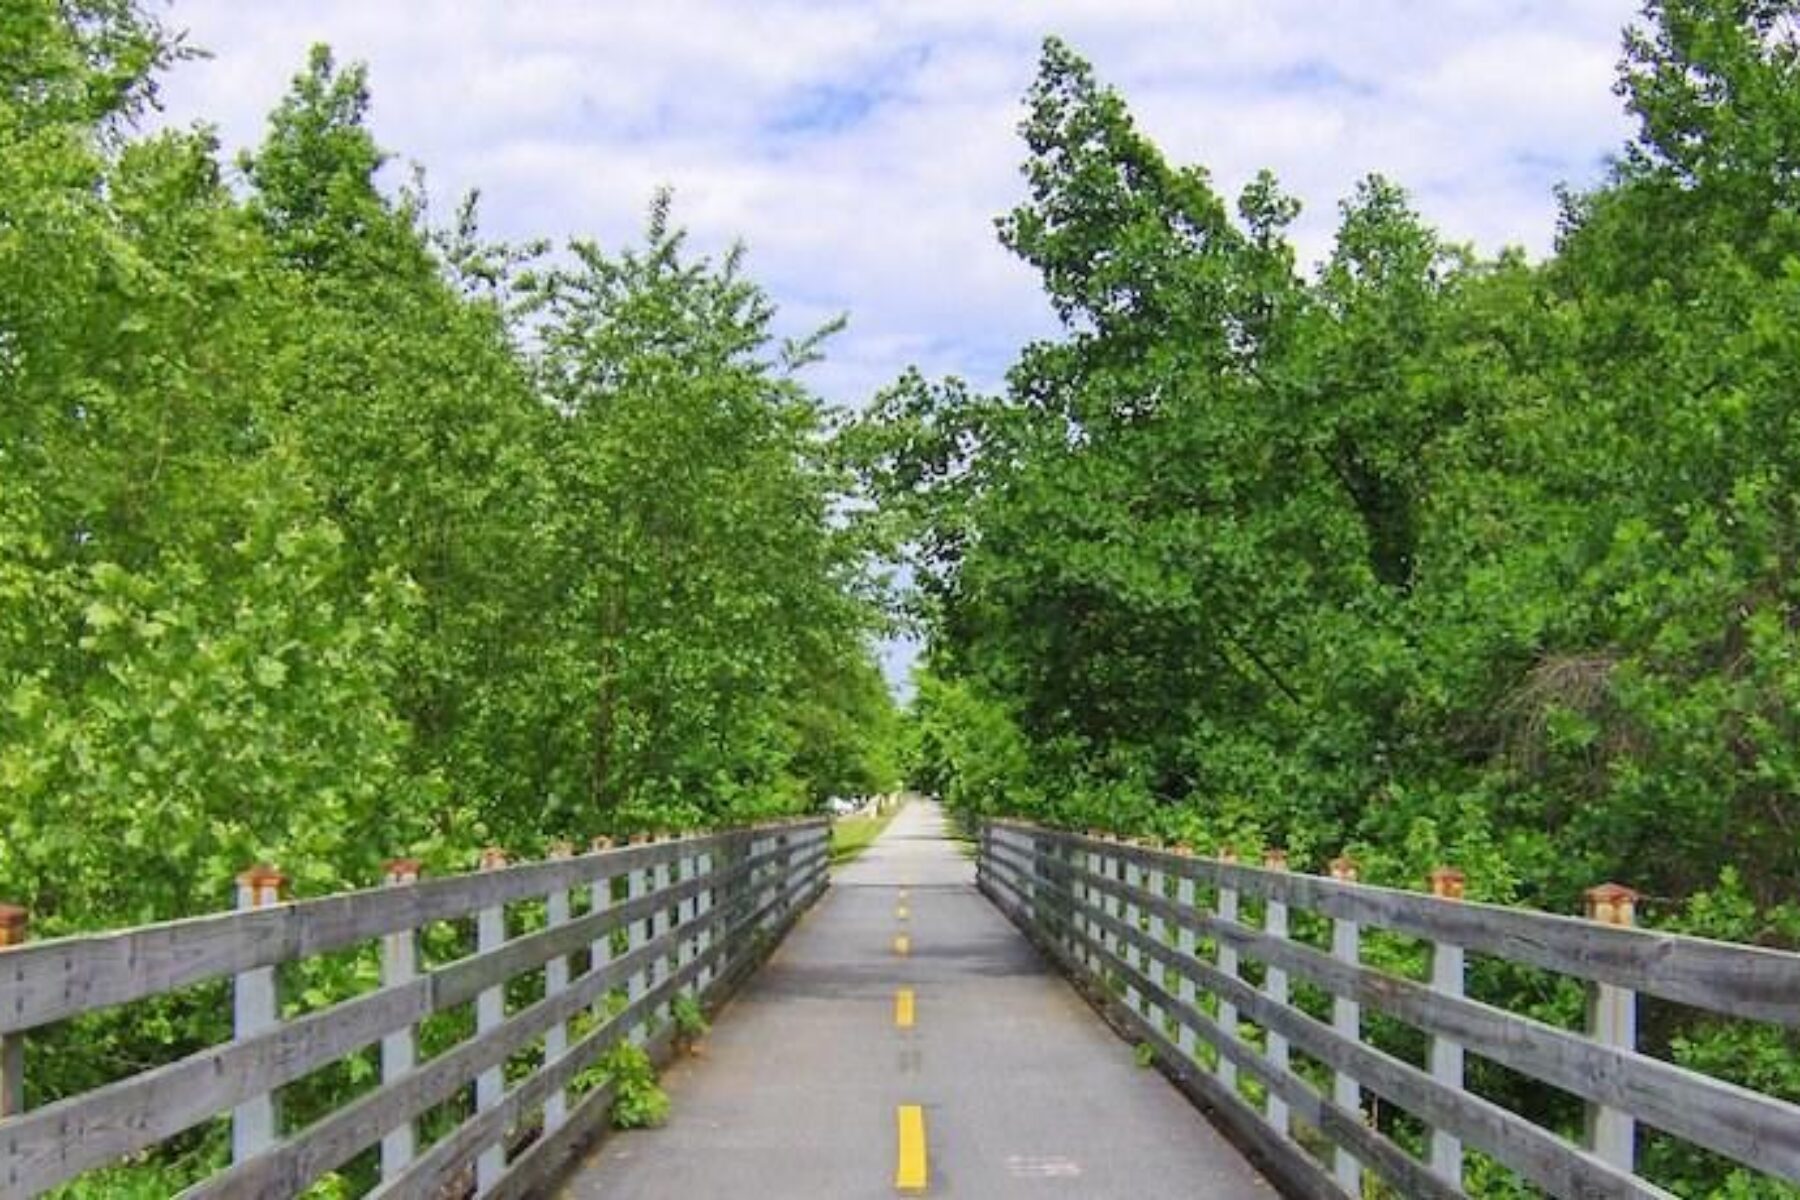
(1284, 1157)
(1760, 1131)
(54, 1143)
(1723, 977)
(453, 1153)
(328, 1143)
(47, 981)
(1535, 1153)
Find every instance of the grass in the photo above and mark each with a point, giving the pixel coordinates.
(852, 835)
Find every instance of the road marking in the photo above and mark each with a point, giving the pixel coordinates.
(1055, 1167)
(902, 945)
(903, 1008)
(911, 1173)
(901, 912)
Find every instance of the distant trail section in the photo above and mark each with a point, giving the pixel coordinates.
(805, 1088)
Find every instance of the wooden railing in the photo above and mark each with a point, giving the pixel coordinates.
(618, 935)
(1166, 938)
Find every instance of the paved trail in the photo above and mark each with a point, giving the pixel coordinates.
(1025, 1092)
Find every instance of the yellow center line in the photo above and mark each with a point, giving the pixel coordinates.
(912, 1172)
(902, 945)
(901, 912)
(903, 1008)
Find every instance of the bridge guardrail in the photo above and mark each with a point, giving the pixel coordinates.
(1168, 930)
(625, 932)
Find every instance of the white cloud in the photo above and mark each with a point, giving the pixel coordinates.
(862, 151)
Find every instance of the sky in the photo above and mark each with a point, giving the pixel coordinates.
(861, 149)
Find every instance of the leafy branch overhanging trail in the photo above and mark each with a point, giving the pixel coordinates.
(1422, 555)
(329, 533)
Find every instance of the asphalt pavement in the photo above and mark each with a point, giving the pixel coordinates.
(1024, 1092)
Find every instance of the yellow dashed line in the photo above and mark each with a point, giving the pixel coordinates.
(901, 912)
(902, 945)
(911, 1174)
(903, 1008)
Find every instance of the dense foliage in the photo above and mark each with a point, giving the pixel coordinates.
(328, 534)
(1423, 555)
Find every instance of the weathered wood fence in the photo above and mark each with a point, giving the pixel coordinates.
(617, 936)
(1169, 937)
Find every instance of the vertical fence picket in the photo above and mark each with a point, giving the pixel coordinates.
(490, 1011)
(1346, 1020)
(1187, 942)
(15, 926)
(1227, 910)
(1275, 986)
(1131, 879)
(556, 981)
(667, 915)
(1612, 1021)
(704, 870)
(256, 1008)
(1445, 1056)
(637, 884)
(399, 1049)
(1095, 938)
(600, 898)
(1159, 934)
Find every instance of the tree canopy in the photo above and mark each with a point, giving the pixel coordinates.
(330, 534)
(1419, 554)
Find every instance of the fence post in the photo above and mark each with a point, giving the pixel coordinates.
(1346, 1020)
(600, 898)
(637, 884)
(1155, 967)
(15, 925)
(1446, 1057)
(399, 1049)
(1275, 986)
(705, 867)
(1186, 943)
(556, 980)
(668, 917)
(1612, 1021)
(1093, 934)
(686, 908)
(255, 1008)
(1131, 881)
(490, 1011)
(1227, 909)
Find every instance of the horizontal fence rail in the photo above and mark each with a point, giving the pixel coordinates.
(1210, 990)
(570, 957)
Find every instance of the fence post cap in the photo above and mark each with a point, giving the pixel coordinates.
(1343, 869)
(1611, 904)
(13, 923)
(492, 858)
(262, 876)
(1275, 860)
(1447, 883)
(402, 870)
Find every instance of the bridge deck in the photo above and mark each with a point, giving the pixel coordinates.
(1025, 1092)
